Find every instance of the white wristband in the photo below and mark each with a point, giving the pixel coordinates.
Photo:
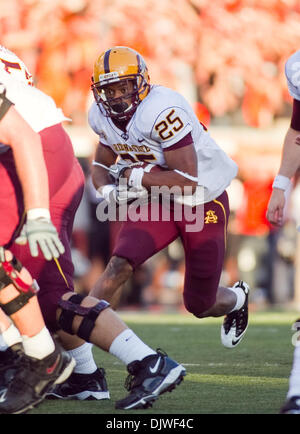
(135, 179)
(281, 182)
(106, 190)
(37, 213)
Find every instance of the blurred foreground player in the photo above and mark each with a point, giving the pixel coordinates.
(66, 183)
(41, 362)
(290, 163)
(142, 123)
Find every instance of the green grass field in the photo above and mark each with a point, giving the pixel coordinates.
(250, 379)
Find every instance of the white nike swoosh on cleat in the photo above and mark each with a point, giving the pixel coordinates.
(3, 396)
(235, 342)
(155, 367)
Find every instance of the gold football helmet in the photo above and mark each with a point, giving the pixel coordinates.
(120, 64)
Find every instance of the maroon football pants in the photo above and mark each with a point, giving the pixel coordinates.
(204, 249)
(66, 183)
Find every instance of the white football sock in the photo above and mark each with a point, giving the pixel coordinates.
(128, 347)
(40, 345)
(3, 344)
(240, 298)
(11, 336)
(294, 383)
(83, 355)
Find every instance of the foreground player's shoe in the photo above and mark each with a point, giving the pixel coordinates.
(9, 360)
(291, 406)
(82, 386)
(148, 379)
(33, 379)
(235, 323)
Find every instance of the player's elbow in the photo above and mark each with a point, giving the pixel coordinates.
(189, 185)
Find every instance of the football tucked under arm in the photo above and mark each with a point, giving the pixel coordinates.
(121, 190)
(163, 177)
(116, 171)
(133, 184)
(135, 179)
(149, 167)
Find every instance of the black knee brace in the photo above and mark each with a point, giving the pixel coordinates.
(10, 274)
(72, 307)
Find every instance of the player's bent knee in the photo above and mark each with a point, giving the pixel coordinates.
(15, 279)
(197, 306)
(70, 306)
(120, 266)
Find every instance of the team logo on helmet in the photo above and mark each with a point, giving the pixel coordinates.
(11, 64)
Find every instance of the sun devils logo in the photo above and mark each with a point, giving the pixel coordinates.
(211, 217)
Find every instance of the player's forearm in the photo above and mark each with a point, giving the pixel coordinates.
(100, 177)
(290, 160)
(169, 179)
(104, 156)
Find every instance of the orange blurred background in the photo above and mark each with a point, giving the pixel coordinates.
(225, 56)
(228, 55)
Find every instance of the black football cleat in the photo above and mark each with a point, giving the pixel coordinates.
(83, 387)
(235, 323)
(32, 380)
(148, 379)
(9, 360)
(291, 406)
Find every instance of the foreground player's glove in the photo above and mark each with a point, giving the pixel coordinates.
(41, 233)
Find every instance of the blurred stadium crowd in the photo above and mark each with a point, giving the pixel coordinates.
(227, 57)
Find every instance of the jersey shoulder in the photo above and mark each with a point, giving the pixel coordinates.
(159, 99)
(20, 92)
(97, 122)
(164, 115)
(292, 73)
(37, 108)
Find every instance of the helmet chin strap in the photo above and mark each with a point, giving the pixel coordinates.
(120, 108)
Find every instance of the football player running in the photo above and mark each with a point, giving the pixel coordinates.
(140, 122)
(290, 163)
(48, 173)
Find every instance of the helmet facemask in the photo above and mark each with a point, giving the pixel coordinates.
(122, 107)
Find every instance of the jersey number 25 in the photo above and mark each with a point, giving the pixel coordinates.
(167, 127)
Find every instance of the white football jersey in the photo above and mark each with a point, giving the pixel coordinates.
(162, 119)
(37, 108)
(292, 73)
